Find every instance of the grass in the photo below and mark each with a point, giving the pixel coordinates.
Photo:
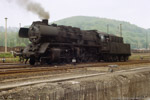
(140, 56)
(9, 58)
(6, 55)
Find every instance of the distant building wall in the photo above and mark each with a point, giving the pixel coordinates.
(16, 49)
(140, 51)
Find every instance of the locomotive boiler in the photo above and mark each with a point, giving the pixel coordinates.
(63, 44)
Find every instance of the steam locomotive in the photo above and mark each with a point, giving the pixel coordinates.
(59, 44)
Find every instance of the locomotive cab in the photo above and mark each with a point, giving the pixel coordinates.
(105, 39)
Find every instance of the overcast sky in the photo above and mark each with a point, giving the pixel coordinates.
(133, 11)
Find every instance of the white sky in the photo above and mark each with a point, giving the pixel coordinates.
(133, 11)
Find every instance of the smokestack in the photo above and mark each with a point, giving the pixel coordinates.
(6, 35)
(45, 21)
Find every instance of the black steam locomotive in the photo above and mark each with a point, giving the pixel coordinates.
(52, 43)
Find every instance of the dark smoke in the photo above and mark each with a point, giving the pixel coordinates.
(33, 7)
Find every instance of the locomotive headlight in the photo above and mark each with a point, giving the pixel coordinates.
(34, 34)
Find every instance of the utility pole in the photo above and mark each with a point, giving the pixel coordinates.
(19, 38)
(137, 45)
(19, 25)
(146, 40)
(107, 28)
(6, 35)
(120, 30)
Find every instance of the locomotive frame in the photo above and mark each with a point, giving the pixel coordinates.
(59, 44)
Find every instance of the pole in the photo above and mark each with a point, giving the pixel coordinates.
(118, 33)
(19, 25)
(120, 30)
(107, 28)
(146, 40)
(137, 45)
(19, 38)
(6, 35)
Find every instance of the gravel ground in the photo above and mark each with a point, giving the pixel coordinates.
(124, 84)
(87, 70)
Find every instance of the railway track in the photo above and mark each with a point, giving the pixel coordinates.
(13, 66)
(20, 69)
(6, 85)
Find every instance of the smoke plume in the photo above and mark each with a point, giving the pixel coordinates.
(33, 7)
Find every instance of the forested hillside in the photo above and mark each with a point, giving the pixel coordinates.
(132, 34)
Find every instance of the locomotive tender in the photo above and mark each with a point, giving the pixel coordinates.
(52, 43)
